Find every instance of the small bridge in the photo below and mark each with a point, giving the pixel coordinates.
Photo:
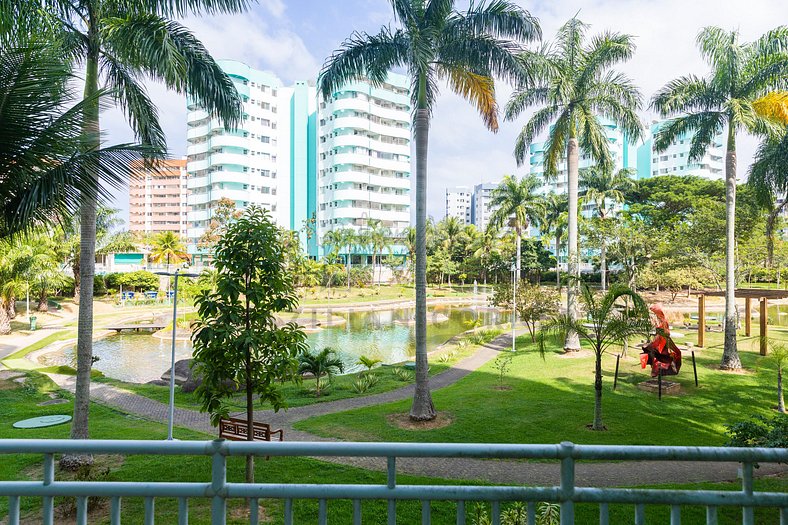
(153, 327)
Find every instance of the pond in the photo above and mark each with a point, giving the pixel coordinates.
(383, 334)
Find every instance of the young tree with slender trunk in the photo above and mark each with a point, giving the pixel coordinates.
(575, 84)
(118, 43)
(702, 108)
(237, 342)
(435, 42)
(554, 222)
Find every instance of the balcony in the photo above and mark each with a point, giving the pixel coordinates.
(563, 460)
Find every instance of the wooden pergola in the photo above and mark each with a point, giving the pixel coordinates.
(748, 294)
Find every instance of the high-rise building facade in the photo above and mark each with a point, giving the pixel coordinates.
(675, 159)
(245, 165)
(458, 203)
(158, 197)
(363, 165)
(481, 204)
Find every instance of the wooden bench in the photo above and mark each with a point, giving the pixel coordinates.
(234, 429)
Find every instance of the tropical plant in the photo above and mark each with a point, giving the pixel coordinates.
(435, 42)
(575, 84)
(598, 186)
(484, 246)
(402, 374)
(368, 362)
(237, 342)
(518, 203)
(759, 432)
(778, 354)
(554, 223)
(44, 162)
(609, 322)
(222, 215)
(703, 107)
(168, 246)
(320, 364)
(503, 363)
(379, 238)
(13, 265)
(118, 44)
(365, 382)
(769, 178)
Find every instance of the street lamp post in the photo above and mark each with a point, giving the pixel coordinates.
(514, 304)
(171, 418)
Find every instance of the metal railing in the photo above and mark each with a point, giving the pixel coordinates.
(219, 490)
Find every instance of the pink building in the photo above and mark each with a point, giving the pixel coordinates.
(157, 197)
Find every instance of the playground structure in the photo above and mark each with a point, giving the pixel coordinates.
(662, 353)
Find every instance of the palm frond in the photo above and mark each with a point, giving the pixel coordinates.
(501, 19)
(535, 125)
(687, 94)
(479, 90)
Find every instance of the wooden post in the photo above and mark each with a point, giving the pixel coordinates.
(764, 333)
(659, 381)
(701, 319)
(694, 368)
(615, 377)
(747, 317)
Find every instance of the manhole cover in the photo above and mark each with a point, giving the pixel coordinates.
(57, 401)
(43, 421)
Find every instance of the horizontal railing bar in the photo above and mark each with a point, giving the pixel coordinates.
(457, 450)
(400, 492)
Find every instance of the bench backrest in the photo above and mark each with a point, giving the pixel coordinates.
(235, 429)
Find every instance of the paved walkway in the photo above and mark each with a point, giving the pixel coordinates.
(497, 471)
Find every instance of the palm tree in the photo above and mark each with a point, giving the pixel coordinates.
(435, 42)
(609, 323)
(575, 84)
(378, 237)
(168, 246)
(13, 265)
(598, 187)
(118, 43)
(740, 74)
(554, 223)
(485, 246)
(42, 168)
(778, 354)
(323, 363)
(516, 202)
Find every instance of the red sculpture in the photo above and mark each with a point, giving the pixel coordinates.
(662, 353)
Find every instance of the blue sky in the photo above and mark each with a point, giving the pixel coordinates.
(292, 38)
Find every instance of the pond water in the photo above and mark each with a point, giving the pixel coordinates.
(777, 315)
(383, 334)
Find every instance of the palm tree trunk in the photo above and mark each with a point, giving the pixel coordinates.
(558, 262)
(730, 356)
(12, 306)
(87, 254)
(771, 220)
(518, 249)
(43, 300)
(780, 400)
(5, 321)
(348, 268)
(422, 408)
(603, 265)
(572, 342)
(598, 393)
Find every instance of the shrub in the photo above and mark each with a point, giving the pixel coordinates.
(759, 432)
(502, 364)
(99, 286)
(402, 375)
(517, 514)
(365, 382)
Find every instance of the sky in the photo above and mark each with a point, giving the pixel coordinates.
(293, 38)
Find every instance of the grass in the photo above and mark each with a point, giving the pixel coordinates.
(19, 402)
(296, 394)
(551, 400)
(318, 296)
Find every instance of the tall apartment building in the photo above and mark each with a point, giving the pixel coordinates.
(458, 203)
(481, 204)
(249, 164)
(363, 166)
(675, 159)
(158, 197)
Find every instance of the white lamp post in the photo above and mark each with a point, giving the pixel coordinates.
(514, 304)
(171, 418)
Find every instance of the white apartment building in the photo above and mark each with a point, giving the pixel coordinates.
(675, 159)
(363, 158)
(481, 204)
(248, 165)
(458, 203)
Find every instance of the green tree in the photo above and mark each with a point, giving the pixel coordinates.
(237, 342)
(703, 107)
(574, 83)
(319, 364)
(484, 247)
(168, 246)
(769, 179)
(435, 42)
(599, 187)
(222, 216)
(609, 322)
(533, 303)
(141, 280)
(779, 356)
(379, 239)
(554, 223)
(43, 161)
(13, 265)
(517, 204)
(119, 43)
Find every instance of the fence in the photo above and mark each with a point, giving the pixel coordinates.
(220, 490)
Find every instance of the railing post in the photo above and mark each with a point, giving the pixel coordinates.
(748, 515)
(48, 510)
(604, 514)
(218, 481)
(675, 515)
(391, 474)
(567, 483)
(13, 510)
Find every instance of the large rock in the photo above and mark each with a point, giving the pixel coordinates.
(184, 375)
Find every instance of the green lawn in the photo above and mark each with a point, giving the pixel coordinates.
(551, 400)
(19, 402)
(320, 296)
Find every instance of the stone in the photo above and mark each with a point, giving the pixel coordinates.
(668, 387)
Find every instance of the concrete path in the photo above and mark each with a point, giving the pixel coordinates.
(497, 471)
